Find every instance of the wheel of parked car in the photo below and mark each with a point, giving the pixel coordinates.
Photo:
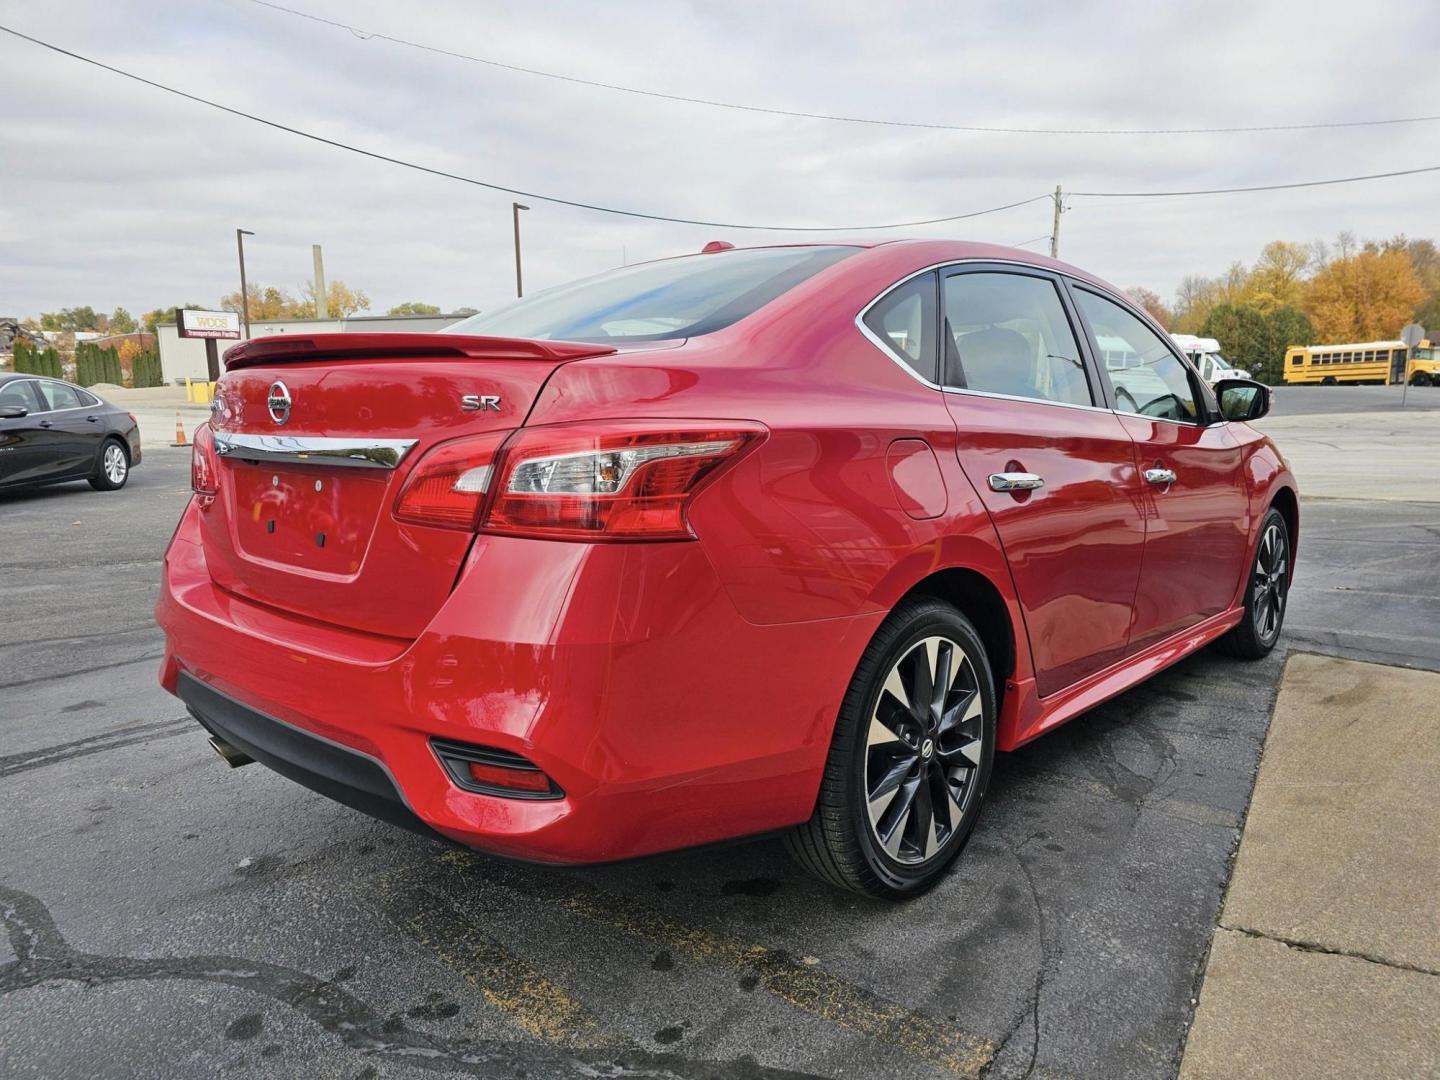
(910, 759)
(113, 468)
(1265, 594)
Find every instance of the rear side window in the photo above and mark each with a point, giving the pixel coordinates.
(1008, 334)
(21, 393)
(61, 396)
(1149, 379)
(87, 399)
(904, 321)
(658, 301)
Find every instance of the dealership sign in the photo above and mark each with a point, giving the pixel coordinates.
(209, 324)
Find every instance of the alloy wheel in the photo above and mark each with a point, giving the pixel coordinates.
(1272, 565)
(923, 750)
(115, 464)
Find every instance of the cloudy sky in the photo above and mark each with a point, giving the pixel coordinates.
(113, 193)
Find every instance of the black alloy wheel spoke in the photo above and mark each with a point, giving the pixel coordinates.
(923, 748)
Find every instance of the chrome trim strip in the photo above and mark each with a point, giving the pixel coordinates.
(311, 450)
(880, 344)
(885, 349)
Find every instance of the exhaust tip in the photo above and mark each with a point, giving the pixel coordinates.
(231, 756)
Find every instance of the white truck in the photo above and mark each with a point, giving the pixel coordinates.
(1204, 353)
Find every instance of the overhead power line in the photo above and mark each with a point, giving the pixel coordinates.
(368, 35)
(1254, 187)
(501, 187)
(375, 155)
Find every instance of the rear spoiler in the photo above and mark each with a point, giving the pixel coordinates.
(288, 348)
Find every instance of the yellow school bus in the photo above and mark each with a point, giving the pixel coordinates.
(1364, 362)
(1424, 367)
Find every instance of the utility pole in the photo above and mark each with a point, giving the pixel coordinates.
(1055, 227)
(240, 235)
(322, 298)
(515, 209)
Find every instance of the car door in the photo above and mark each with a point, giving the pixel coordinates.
(1196, 508)
(77, 428)
(1053, 465)
(24, 444)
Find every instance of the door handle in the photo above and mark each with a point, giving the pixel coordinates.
(46, 423)
(1160, 477)
(93, 419)
(1015, 481)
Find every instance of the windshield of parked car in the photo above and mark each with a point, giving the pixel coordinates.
(1220, 362)
(658, 301)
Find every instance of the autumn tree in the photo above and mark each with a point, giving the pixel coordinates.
(1278, 277)
(1368, 295)
(266, 302)
(414, 307)
(1151, 303)
(340, 301)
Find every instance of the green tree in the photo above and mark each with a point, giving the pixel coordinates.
(1256, 340)
(122, 322)
(414, 307)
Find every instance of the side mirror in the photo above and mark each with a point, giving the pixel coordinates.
(1242, 399)
(13, 412)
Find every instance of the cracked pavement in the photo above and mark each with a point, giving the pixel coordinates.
(168, 916)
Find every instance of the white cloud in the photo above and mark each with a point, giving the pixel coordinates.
(114, 193)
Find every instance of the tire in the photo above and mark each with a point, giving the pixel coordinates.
(923, 759)
(1329, 380)
(1420, 378)
(113, 468)
(1266, 592)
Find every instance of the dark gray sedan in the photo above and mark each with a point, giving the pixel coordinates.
(53, 431)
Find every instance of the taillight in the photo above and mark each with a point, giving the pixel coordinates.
(613, 479)
(204, 465)
(449, 485)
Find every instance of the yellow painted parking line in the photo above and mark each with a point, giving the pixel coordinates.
(804, 986)
(534, 1003)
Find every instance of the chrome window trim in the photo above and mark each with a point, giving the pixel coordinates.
(314, 450)
(39, 379)
(880, 343)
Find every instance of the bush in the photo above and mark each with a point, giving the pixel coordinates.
(145, 370)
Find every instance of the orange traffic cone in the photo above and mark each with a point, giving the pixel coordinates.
(179, 431)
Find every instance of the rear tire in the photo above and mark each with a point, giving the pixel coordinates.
(1266, 593)
(113, 468)
(908, 767)
(1329, 380)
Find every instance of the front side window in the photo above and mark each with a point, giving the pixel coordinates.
(19, 392)
(61, 396)
(1157, 384)
(904, 319)
(658, 301)
(1008, 334)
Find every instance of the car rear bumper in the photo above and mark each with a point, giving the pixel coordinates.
(622, 671)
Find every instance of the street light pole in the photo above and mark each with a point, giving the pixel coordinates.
(515, 209)
(240, 235)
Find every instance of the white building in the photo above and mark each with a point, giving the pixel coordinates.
(182, 358)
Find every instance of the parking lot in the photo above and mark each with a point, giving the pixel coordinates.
(168, 916)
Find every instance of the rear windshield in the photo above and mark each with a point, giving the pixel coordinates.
(658, 301)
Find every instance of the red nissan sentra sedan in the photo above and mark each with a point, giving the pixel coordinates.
(786, 538)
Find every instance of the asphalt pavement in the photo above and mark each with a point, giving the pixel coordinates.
(170, 917)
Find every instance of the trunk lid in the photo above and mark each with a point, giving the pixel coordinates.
(316, 436)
